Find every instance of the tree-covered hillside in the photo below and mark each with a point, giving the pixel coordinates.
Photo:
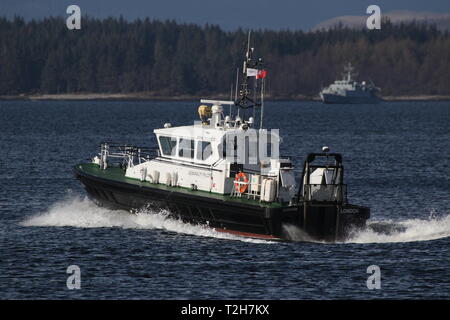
(168, 59)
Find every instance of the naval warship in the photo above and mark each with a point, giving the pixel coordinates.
(347, 90)
(209, 174)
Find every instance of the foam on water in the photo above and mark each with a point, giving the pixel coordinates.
(403, 231)
(385, 231)
(84, 213)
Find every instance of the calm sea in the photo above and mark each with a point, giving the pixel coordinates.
(396, 155)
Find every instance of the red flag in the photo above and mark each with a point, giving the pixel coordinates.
(261, 74)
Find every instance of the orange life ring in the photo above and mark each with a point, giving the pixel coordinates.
(241, 182)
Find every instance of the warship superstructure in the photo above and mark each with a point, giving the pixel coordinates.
(349, 91)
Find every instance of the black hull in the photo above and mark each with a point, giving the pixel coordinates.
(317, 222)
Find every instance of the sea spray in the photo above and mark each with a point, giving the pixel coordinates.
(75, 211)
(294, 233)
(403, 231)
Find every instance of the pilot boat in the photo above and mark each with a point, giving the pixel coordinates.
(225, 172)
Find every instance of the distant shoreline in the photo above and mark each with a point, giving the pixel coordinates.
(146, 96)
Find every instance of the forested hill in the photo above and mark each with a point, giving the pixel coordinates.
(169, 59)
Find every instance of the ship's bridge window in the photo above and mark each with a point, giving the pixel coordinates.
(168, 145)
(186, 148)
(228, 145)
(204, 150)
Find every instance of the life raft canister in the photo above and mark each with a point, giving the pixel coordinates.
(241, 182)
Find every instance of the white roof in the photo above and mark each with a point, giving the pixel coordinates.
(202, 132)
(199, 132)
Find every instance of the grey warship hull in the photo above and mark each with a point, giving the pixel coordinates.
(340, 99)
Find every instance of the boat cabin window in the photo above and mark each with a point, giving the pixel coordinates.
(168, 145)
(228, 141)
(204, 150)
(186, 148)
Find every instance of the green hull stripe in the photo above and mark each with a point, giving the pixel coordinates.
(117, 174)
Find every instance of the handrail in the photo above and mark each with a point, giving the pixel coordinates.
(250, 185)
(127, 153)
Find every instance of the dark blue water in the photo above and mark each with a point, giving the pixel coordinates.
(396, 157)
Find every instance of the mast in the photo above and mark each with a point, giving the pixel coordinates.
(244, 101)
(236, 88)
(262, 105)
(348, 72)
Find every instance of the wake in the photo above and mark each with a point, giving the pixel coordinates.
(83, 213)
(409, 230)
(386, 231)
